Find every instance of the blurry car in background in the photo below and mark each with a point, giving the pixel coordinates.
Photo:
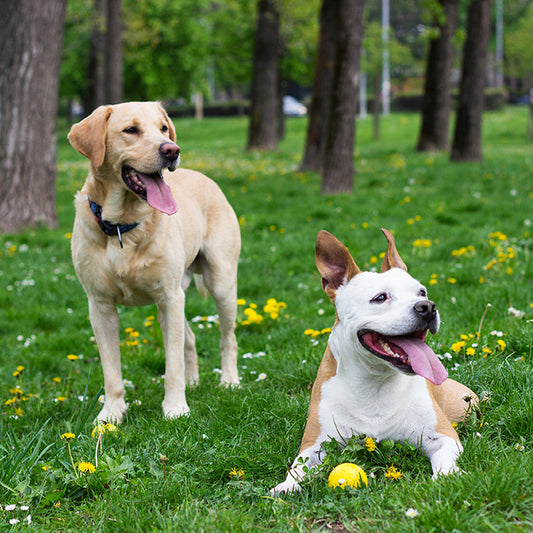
(293, 108)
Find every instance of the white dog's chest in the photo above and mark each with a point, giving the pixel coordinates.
(381, 415)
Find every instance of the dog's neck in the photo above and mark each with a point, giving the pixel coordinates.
(367, 375)
(119, 206)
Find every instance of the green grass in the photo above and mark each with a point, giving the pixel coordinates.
(155, 474)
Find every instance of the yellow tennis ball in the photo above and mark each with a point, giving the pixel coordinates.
(347, 474)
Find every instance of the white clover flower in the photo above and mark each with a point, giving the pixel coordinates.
(10, 507)
(14, 521)
(515, 312)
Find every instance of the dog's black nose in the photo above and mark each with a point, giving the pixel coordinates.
(169, 151)
(426, 309)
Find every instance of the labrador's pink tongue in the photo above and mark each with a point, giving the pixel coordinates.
(423, 359)
(158, 194)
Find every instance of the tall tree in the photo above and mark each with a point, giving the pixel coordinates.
(467, 136)
(436, 102)
(315, 145)
(338, 172)
(95, 91)
(113, 53)
(30, 51)
(262, 132)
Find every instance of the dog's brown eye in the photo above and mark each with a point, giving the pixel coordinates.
(380, 298)
(164, 129)
(423, 292)
(132, 130)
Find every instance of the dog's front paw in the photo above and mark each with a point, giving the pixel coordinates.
(173, 410)
(446, 472)
(113, 412)
(288, 486)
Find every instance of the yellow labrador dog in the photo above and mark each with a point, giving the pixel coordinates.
(139, 235)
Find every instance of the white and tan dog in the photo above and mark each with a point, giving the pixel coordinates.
(378, 377)
(132, 246)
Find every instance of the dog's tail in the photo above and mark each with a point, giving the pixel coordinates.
(200, 285)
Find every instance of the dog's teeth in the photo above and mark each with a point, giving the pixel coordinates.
(386, 348)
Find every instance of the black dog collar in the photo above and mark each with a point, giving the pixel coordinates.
(108, 227)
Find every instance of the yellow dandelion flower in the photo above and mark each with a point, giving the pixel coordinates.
(237, 473)
(61, 398)
(241, 301)
(393, 473)
(56, 380)
(370, 444)
(100, 429)
(501, 344)
(458, 346)
(86, 468)
(68, 436)
(470, 351)
(72, 357)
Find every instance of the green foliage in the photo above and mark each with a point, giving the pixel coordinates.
(518, 50)
(212, 470)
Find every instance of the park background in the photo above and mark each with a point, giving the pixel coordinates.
(463, 226)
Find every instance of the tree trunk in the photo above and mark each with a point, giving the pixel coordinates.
(436, 102)
(262, 133)
(467, 137)
(315, 145)
(338, 161)
(95, 94)
(30, 44)
(113, 52)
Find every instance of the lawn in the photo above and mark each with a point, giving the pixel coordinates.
(463, 229)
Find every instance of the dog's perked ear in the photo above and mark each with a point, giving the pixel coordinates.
(89, 136)
(171, 128)
(334, 262)
(392, 258)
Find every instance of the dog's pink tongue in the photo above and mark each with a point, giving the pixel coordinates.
(158, 194)
(423, 359)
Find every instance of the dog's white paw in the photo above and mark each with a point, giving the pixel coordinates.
(288, 486)
(447, 472)
(112, 412)
(175, 410)
(230, 383)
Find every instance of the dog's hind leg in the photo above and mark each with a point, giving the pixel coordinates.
(220, 278)
(191, 357)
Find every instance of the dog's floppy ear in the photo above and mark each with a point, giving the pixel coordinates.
(334, 262)
(392, 258)
(171, 128)
(89, 136)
